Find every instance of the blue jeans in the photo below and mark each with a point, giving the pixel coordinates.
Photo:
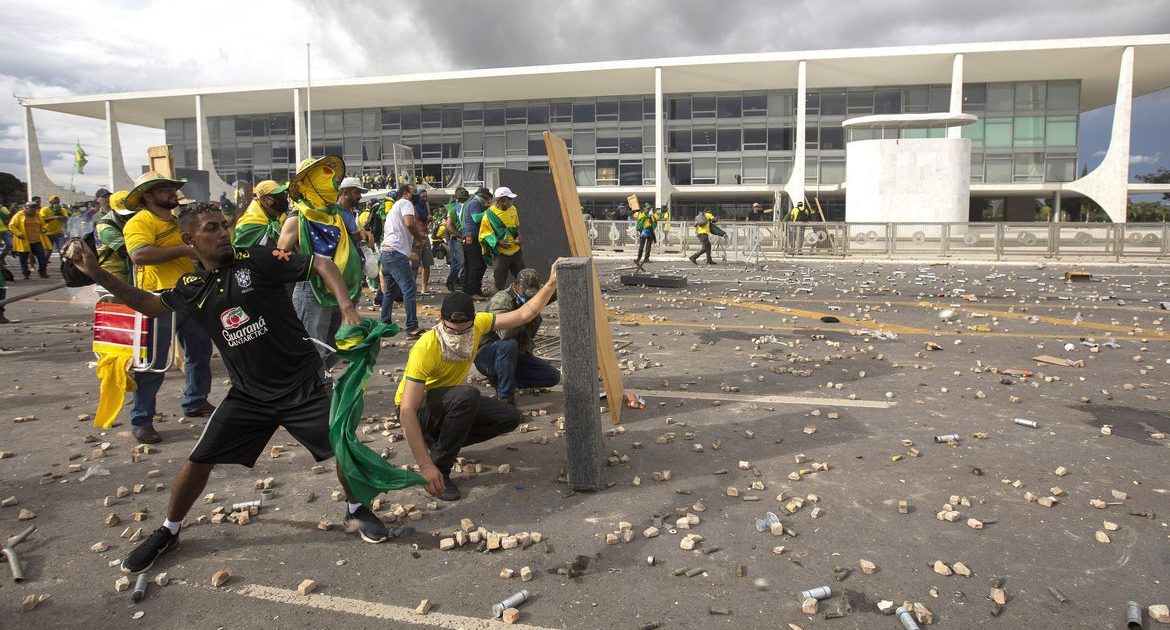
(502, 362)
(400, 281)
(58, 240)
(455, 260)
(36, 251)
(320, 322)
(5, 245)
(197, 346)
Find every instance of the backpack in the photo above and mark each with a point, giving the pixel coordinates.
(701, 219)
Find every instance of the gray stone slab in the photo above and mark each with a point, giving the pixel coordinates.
(652, 280)
(583, 433)
(543, 230)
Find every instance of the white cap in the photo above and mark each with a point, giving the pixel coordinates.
(504, 191)
(352, 182)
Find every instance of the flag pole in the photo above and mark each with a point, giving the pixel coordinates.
(309, 95)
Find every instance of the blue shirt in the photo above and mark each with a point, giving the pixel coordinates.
(472, 207)
(350, 220)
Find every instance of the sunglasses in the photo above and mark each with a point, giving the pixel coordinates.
(458, 331)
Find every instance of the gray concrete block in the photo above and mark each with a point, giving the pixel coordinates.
(583, 432)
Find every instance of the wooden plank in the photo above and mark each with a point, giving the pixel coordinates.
(562, 171)
(160, 160)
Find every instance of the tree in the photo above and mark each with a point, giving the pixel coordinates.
(12, 190)
(1160, 176)
(1147, 212)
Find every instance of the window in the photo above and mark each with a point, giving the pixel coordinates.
(561, 112)
(1061, 131)
(585, 174)
(391, 119)
(538, 114)
(679, 172)
(781, 103)
(1064, 97)
(999, 169)
(648, 112)
(1029, 167)
(431, 150)
(974, 97)
(472, 173)
(703, 107)
(1029, 131)
(859, 102)
(977, 168)
(174, 130)
(452, 118)
(630, 144)
(780, 139)
(516, 116)
(833, 138)
(755, 170)
(703, 140)
(1000, 97)
(812, 103)
(755, 105)
(997, 132)
(679, 140)
(583, 112)
(584, 143)
(812, 137)
(607, 144)
(833, 104)
(630, 173)
(372, 150)
(536, 144)
(703, 171)
(887, 102)
(730, 171)
(1060, 168)
(915, 99)
(679, 108)
(940, 98)
(1030, 97)
(260, 126)
(974, 133)
(779, 171)
(493, 145)
(517, 143)
(472, 117)
(728, 139)
(493, 116)
(411, 119)
(452, 175)
(755, 139)
(832, 171)
(630, 110)
(607, 172)
(607, 111)
(451, 150)
(810, 170)
(473, 143)
(352, 121)
(730, 106)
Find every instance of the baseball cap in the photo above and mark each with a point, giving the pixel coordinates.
(352, 182)
(101, 192)
(268, 187)
(529, 281)
(458, 308)
(504, 191)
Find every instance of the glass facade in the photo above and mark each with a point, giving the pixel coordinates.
(1027, 132)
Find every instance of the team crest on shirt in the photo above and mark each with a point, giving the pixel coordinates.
(244, 279)
(233, 318)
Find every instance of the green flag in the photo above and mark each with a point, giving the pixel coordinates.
(366, 473)
(79, 159)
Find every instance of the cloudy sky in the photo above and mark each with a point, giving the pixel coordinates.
(67, 47)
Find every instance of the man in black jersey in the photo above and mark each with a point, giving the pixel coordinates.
(240, 298)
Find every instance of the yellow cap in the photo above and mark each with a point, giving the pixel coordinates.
(268, 187)
(118, 200)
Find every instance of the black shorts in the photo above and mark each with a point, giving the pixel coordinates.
(240, 428)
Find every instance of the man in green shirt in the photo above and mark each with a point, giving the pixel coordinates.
(454, 229)
(111, 243)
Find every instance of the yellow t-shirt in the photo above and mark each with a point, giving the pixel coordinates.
(706, 227)
(53, 218)
(426, 365)
(145, 228)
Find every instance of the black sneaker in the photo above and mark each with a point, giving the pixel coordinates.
(203, 411)
(144, 555)
(511, 400)
(451, 491)
(147, 435)
(416, 333)
(371, 528)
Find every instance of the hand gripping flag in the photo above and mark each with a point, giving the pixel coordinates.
(366, 473)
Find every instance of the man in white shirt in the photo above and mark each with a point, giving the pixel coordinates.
(401, 229)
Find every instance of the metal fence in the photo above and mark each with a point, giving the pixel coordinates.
(757, 242)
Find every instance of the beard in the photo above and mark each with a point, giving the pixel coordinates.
(167, 204)
(456, 348)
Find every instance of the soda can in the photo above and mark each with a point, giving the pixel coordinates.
(820, 592)
(1024, 422)
(943, 439)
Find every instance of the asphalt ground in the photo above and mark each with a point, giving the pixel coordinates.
(738, 362)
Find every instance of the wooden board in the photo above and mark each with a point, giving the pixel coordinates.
(159, 159)
(562, 171)
(632, 200)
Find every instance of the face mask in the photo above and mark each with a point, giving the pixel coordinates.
(521, 298)
(280, 204)
(320, 189)
(456, 347)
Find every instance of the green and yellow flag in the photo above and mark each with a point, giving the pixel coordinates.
(79, 158)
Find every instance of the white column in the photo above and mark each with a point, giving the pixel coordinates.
(795, 185)
(1056, 207)
(200, 134)
(662, 185)
(118, 178)
(956, 94)
(298, 128)
(31, 152)
(1108, 184)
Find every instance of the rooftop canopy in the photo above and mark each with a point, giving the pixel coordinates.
(909, 121)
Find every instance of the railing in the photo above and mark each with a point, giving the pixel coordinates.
(757, 242)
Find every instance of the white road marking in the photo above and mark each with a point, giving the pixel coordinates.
(373, 610)
(775, 400)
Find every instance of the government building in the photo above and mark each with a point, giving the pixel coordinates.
(957, 132)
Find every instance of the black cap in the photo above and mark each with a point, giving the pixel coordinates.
(101, 192)
(458, 308)
(484, 192)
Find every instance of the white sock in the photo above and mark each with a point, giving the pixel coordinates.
(353, 507)
(173, 526)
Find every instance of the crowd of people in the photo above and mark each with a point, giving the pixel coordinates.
(271, 287)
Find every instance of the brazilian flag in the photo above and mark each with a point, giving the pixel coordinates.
(365, 472)
(322, 232)
(80, 158)
(491, 233)
(254, 228)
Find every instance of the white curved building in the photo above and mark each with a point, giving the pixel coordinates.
(714, 131)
